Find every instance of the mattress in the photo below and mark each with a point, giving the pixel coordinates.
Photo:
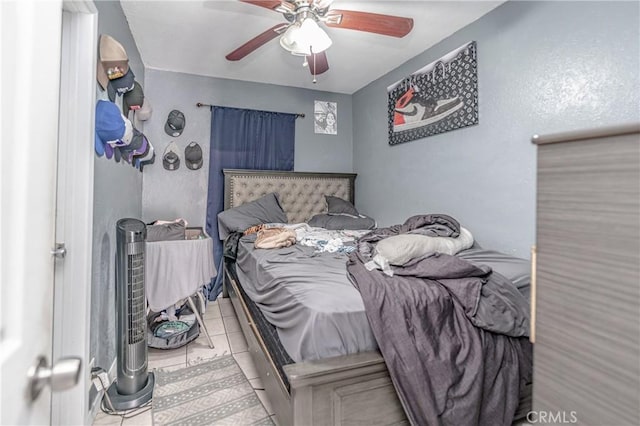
(267, 331)
(281, 358)
(316, 311)
(308, 297)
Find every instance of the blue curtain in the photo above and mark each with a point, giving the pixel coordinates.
(243, 139)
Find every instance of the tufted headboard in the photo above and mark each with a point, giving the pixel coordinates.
(301, 194)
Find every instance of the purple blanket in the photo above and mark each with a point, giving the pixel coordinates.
(453, 336)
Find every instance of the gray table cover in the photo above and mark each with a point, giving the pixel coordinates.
(177, 269)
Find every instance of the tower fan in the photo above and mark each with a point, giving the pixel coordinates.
(134, 385)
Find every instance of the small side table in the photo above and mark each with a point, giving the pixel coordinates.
(176, 270)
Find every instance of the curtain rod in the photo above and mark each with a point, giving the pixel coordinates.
(297, 114)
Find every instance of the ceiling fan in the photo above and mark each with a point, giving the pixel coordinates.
(302, 35)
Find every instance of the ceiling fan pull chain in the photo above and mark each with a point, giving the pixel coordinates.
(314, 65)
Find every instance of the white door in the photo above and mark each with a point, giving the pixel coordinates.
(74, 213)
(30, 61)
(29, 89)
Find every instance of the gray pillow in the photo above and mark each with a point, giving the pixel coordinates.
(337, 205)
(341, 221)
(263, 210)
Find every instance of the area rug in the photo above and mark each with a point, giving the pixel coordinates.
(214, 392)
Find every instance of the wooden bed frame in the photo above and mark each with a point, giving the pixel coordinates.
(344, 390)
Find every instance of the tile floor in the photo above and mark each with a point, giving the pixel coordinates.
(224, 329)
(225, 333)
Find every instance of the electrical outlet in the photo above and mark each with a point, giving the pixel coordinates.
(97, 383)
(105, 378)
(101, 380)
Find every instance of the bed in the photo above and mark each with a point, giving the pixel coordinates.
(344, 389)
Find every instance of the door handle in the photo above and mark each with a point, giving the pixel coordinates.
(59, 251)
(62, 376)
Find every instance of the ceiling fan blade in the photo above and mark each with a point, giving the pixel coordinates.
(394, 26)
(268, 4)
(318, 63)
(322, 4)
(256, 42)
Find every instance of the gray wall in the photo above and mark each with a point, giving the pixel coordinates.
(183, 192)
(117, 194)
(542, 67)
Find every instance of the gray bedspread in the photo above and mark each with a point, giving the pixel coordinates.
(307, 297)
(452, 333)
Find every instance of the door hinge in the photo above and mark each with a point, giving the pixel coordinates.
(59, 251)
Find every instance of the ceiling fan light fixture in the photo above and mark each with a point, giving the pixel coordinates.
(290, 36)
(305, 38)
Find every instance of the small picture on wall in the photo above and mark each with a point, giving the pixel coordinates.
(326, 117)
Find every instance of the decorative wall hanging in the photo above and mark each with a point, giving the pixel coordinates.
(325, 117)
(440, 97)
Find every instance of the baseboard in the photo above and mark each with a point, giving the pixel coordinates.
(95, 403)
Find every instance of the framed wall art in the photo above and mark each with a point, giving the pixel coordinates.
(325, 117)
(437, 98)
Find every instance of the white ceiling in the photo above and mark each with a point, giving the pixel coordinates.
(195, 36)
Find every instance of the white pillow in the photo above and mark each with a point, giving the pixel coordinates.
(400, 249)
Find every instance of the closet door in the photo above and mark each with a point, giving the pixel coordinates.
(587, 348)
